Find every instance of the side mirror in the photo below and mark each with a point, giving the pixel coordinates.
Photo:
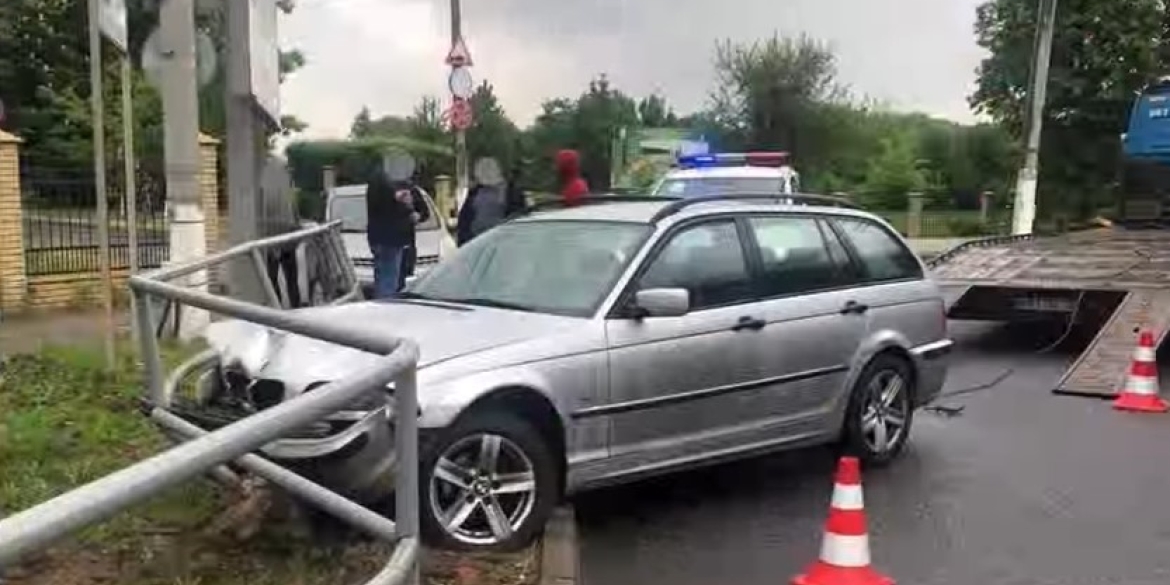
(662, 302)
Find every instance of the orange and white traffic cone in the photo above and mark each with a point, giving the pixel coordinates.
(844, 558)
(1140, 393)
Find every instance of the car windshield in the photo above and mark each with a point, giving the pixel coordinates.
(711, 186)
(351, 210)
(557, 267)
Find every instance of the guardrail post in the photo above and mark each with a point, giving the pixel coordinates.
(13, 278)
(406, 441)
(914, 215)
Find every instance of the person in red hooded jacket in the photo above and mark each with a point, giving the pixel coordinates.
(573, 186)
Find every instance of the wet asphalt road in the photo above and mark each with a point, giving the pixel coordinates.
(1023, 487)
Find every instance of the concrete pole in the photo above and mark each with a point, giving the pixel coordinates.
(1024, 212)
(181, 143)
(130, 181)
(99, 171)
(461, 170)
(243, 164)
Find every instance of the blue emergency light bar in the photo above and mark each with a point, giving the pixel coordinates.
(750, 159)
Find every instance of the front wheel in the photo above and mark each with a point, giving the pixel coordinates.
(881, 409)
(487, 483)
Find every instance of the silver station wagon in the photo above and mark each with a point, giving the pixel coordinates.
(578, 347)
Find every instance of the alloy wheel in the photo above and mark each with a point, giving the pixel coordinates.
(482, 489)
(885, 411)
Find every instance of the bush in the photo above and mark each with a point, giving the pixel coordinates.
(963, 227)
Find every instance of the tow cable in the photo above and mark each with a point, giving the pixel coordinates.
(956, 410)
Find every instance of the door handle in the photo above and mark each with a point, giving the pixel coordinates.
(854, 308)
(748, 323)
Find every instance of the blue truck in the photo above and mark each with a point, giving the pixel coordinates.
(1145, 180)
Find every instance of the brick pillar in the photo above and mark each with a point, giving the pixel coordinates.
(13, 280)
(328, 179)
(445, 197)
(914, 217)
(986, 199)
(209, 197)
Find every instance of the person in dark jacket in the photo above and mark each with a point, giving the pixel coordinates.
(573, 185)
(394, 205)
(489, 203)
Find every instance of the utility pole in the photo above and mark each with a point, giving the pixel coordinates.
(1024, 211)
(130, 181)
(461, 173)
(245, 140)
(181, 143)
(99, 171)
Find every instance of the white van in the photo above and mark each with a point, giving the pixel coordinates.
(348, 203)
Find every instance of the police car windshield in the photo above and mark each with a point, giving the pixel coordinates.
(712, 186)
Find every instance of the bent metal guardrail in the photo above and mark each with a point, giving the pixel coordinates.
(207, 452)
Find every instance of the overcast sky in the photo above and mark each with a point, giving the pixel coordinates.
(387, 54)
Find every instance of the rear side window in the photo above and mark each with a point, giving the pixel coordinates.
(882, 256)
(794, 258)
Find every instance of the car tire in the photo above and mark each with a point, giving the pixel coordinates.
(469, 504)
(880, 405)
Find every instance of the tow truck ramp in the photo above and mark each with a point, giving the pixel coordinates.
(1117, 277)
(1101, 369)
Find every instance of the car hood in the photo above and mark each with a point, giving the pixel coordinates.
(442, 331)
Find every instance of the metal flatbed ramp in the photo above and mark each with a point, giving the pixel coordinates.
(1091, 260)
(1101, 369)
(1133, 262)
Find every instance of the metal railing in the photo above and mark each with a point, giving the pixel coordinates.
(207, 452)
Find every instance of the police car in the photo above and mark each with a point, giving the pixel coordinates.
(704, 175)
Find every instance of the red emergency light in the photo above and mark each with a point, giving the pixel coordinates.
(766, 159)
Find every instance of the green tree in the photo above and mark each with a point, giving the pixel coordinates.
(894, 172)
(44, 81)
(492, 133)
(1103, 53)
(769, 92)
(653, 112)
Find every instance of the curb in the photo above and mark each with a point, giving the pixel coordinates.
(559, 563)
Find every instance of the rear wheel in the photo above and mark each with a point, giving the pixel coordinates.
(881, 409)
(487, 483)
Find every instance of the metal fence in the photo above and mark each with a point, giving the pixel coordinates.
(61, 224)
(208, 452)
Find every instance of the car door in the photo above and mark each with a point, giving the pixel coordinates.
(814, 325)
(673, 379)
(902, 302)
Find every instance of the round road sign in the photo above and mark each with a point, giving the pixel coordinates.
(460, 83)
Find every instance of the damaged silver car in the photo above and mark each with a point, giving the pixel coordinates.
(579, 347)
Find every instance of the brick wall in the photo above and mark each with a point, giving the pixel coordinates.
(61, 291)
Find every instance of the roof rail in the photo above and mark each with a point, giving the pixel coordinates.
(560, 203)
(781, 198)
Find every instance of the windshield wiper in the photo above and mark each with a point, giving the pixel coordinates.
(492, 303)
